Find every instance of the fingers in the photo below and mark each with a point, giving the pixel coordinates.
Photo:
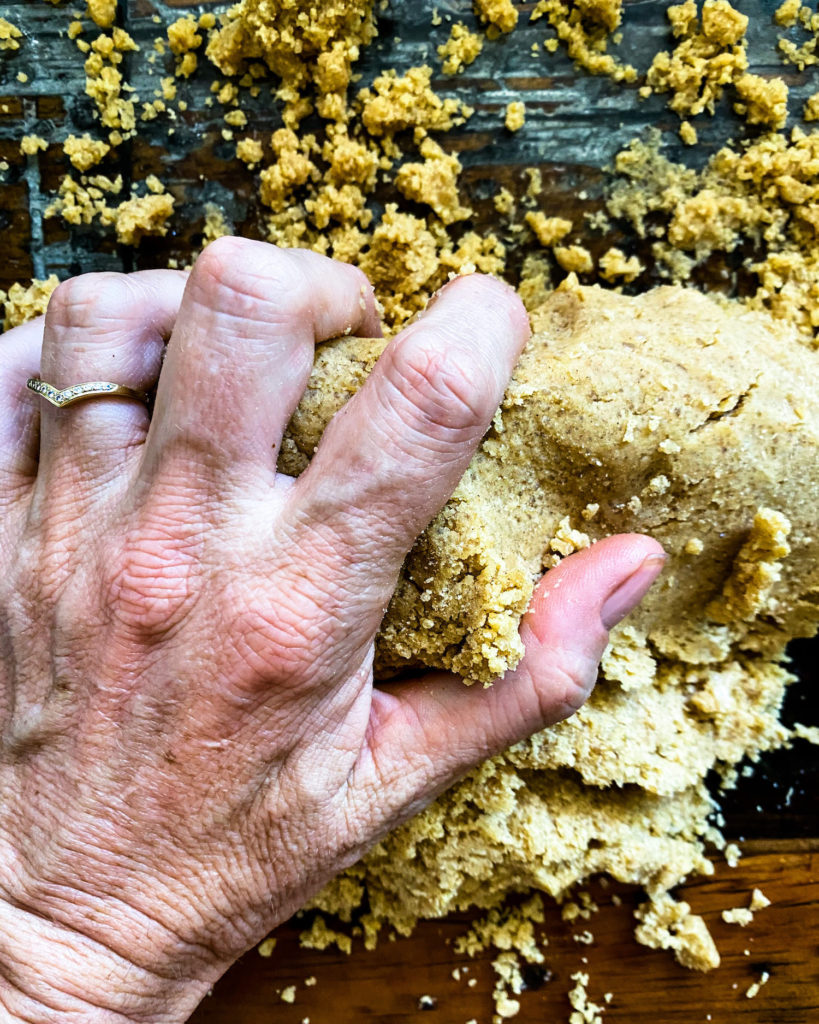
(391, 458)
(426, 734)
(19, 424)
(101, 327)
(240, 357)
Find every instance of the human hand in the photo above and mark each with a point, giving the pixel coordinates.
(192, 744)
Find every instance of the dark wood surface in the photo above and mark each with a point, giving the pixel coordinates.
(647, 986)
(575, 124)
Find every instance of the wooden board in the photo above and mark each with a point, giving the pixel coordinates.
(575, 124)
(647, 986)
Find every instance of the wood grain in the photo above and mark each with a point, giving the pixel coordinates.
(647, 986)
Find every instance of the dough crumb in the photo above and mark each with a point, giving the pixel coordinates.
(500, 15)
(84, 152)
(584, 1011)
(548, 230)
(30, 145)
(669, 924)
(738, 915)
(460, 50)
(9, 35)
(515, 116)
(753, 990)
(23, 303)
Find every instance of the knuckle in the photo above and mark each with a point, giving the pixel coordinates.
(447, 389)
(83, 301)
(250, 279)
(152, 584)
(293, 630)
(572, 677)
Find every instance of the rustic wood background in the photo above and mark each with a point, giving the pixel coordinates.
(575, 124)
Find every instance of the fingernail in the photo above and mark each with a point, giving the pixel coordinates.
(629, 594)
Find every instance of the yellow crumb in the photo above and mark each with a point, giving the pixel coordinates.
(9, 35)
(574, 258)
(434, 182)
(787, 13)
(615, 264)
(500, 14)
(460, 50)
(30, 145)
(250, 151)
(548, 230)
(21, 304)
(515, 116)
(183, 35)
(84, 152)
(762, 100)
(102, 12)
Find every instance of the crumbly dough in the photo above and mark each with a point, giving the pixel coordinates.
(460, 50)
(693, 682)
(711, 52)
(500, 15)
(84, 152)
(762, 192)
(732, 382)
(10, 35)
(548, 230)
(618, 418)
(31, 145)
(21, 304)
(515, 116)
(585, 27)
(315, 52)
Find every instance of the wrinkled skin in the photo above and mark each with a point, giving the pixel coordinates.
(192, 744)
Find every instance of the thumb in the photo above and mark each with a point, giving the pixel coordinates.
(425, 734)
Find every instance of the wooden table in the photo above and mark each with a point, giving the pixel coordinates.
(574, 125)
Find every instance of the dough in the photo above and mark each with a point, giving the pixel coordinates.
(667, 414)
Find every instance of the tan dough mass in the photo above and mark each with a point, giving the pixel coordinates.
(665, 414)
(668, 413)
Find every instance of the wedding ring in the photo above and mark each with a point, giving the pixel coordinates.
(80, 392)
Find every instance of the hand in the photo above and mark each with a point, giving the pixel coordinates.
(191, 741)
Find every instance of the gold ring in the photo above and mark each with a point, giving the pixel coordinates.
(80, 392)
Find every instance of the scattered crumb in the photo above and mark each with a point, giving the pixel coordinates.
(460, 50)
(753, 990)
(515, 116)
(288, 995)
(84, 152)
(584, 1011)
(574, 258)
(548, 230)
(30, 145)
(738, 915)
(9, 35)
(498, 14)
